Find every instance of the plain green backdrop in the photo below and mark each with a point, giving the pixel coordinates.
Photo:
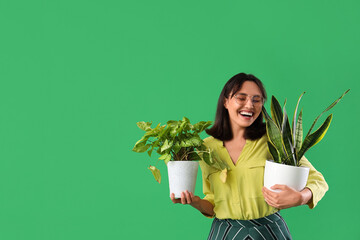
(76, 76)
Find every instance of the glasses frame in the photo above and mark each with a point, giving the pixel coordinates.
(251, 97)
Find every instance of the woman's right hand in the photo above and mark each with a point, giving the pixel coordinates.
(186, 198)
(204, 206)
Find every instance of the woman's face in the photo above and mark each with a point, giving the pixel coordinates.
(245, 106)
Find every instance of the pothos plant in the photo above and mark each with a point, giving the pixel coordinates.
(178, 141)
(285, 143)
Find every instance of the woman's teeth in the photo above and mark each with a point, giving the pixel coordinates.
(246, 114)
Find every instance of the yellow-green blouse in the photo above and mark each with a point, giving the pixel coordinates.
(241, 196)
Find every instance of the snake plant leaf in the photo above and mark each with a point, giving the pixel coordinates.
(327, 109)
(156, 173)
(293, 156)
(265, 113)
(312, 139)
(223, 175)
(336, 101)
(274, 153)
(298, 132)
(146, 126)
(294, 121)
(276, 112)
(286, 134)
(274, 136)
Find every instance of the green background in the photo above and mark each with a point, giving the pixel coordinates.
(76, 76)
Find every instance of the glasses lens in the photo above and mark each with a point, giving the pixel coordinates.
(257, 100)
(243, 98)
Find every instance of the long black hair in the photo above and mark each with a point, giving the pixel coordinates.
(221, 128)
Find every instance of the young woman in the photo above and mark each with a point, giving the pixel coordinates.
(242, 208)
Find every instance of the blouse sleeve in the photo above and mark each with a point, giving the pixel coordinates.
(316, 183)
(209, 195)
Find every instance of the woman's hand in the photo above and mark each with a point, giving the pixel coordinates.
(186, 198)
(204, 206)
(288, 197)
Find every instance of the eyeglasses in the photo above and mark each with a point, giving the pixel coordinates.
(242, 98)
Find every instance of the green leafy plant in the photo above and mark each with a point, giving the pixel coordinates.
(285, 143)
(178, 141)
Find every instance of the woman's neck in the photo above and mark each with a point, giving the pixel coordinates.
(238, 133)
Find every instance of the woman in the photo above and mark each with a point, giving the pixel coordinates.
(242, 207)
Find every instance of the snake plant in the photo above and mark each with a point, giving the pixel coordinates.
(285, 143)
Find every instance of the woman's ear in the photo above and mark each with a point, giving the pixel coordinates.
(226, 102)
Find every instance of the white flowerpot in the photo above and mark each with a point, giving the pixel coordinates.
(182, 176)
(276, 173)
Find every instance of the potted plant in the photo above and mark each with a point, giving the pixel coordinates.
(287, 147)
(179, 145)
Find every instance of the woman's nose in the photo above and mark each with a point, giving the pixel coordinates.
(249, 103)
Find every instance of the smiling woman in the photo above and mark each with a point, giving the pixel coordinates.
(242, 208)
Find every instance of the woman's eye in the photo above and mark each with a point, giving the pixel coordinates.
(242, 98)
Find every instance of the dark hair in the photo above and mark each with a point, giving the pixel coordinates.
(221, 128)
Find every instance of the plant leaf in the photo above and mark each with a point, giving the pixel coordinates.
(293, 156)
(276, 112)
(286, 134)
(166, 157)
(274, 153)
(141, 147)
(166, 145)
(146, 126)
(195, 141)
(315, 137)
(223, 175)
(275, 137)
(207, 159)
(294, 122)
(194, 156)
(298, 133)
(176, 147)
(327, 109)
(150, 151)
(201, 126)
(156, 173)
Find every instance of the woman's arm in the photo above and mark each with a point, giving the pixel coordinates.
(288, 197)
(204, 206)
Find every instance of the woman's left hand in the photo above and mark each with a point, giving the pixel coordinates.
(288, 197)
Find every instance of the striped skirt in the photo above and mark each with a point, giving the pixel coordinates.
(269, 227)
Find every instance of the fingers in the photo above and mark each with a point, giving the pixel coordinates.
(173, 199)
(278, 186)
(271, 197)
(269, 193)
(186, 198)
(183, 198)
